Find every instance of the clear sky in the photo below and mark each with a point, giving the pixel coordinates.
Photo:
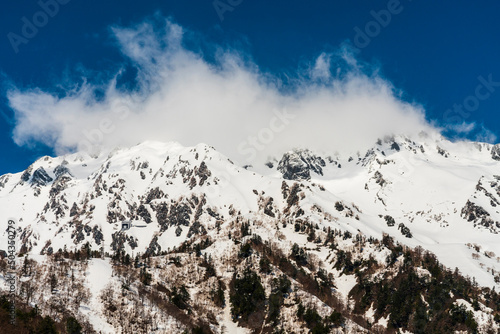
(443, 55)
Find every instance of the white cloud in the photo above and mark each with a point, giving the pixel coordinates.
(321, 68)
(463, 128)
(229, 104)
(486, 136)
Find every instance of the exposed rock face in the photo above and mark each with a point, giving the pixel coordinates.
(203, 173)
(493, 185)
(442, 152)
(162, 215)
(495, 152)
(268, 207)
(153, 194)
(395, 147)
(297, 165)
(379, 178)
(62, 170)
(59, 185)
(180, 215)
(478, 215)
(74, 210)
(40, 177)
(143, 213)
(27, 174)
(3, 180)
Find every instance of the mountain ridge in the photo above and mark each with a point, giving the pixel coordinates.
(440, 196)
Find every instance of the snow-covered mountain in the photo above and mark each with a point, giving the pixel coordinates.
(157, 200)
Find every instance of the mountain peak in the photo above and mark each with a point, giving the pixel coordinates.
(435, 195)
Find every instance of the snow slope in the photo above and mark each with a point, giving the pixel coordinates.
(172, 193)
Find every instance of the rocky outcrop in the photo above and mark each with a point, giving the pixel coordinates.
(203, 173)
(495, 152)
(59, 185)
(62, 170)
(143, 213)
(162, 215)
(40, 178)
(179, 215)
(27, 174)
(153, 194)
(298, 164)
(477, 214)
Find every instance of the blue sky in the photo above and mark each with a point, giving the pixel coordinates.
(436, 54)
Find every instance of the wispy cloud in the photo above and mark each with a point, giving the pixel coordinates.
(339, 105)
(321, 69)
(463, 128)
(486, 136)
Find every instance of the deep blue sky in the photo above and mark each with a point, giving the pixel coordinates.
(433, 51)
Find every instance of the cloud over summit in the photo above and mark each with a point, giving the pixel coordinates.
(228, 103)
